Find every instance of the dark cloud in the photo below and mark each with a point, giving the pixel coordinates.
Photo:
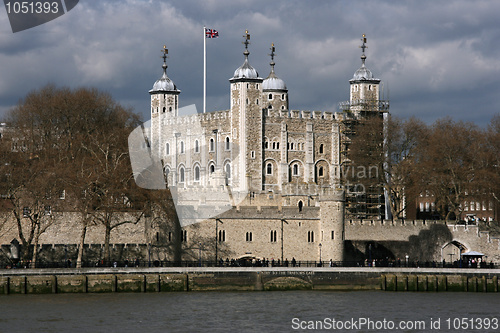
(435, 58)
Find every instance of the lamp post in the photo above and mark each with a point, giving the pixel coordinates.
(199, 255)
(407, 257)
(217, 221)
(149, 254)
(282, 221)
(320, 263)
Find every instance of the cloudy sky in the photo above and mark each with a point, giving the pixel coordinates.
(435, 58)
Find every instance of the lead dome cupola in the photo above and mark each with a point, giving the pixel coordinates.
(246, 71)
(363, 73)
(272, 82)
(164, 83)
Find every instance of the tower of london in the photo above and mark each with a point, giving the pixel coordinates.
(260, 167)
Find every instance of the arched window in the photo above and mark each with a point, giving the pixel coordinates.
(165, 174)
(197, 173)
(167, 149)
(182, 147)
(228, 143)
(274, 145)
(321, 148)
(270, 96)
(295, 169)
(269, 169)
(181, 175)
(300, 204)
(277, 145)
(196, 146)
(164, 109)
(291, 146)
(228, 171)
(212, 144)
(320, 172)
(212, 168)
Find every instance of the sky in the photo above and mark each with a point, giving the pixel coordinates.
(435, 58)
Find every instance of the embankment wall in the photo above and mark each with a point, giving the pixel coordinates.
(39, 281)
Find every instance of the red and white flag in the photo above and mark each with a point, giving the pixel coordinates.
(211, 33)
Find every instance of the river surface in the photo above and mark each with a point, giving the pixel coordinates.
(290, 311)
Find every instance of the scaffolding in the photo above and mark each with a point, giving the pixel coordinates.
(362, 202)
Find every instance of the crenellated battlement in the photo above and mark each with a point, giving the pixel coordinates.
(300, 114)
(395, 223)
(198, 118)
(272, 213)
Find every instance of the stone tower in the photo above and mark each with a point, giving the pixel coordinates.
(274, 90)
(364, 103)
(164, 104)
(246, 122)
(332, 225)
(364, 95)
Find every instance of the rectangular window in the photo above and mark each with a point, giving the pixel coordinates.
(222, 235)
(333, 234)
(274, 234)
(249, 236)
(184, 236)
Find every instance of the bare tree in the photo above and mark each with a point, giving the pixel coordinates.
(79, 137)
(446, 166)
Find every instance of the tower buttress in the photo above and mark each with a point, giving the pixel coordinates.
(332, 225)
(246, 119)
(164, 104)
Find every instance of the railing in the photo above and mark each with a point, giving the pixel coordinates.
(267, 263)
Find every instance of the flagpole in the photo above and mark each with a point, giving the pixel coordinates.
(204, 70)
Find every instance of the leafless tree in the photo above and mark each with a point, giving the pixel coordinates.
(79, 137)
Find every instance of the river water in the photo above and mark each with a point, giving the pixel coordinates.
(290, 311)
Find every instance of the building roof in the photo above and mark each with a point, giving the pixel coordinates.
(164, 83)
(246, 71)
(272, 82)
